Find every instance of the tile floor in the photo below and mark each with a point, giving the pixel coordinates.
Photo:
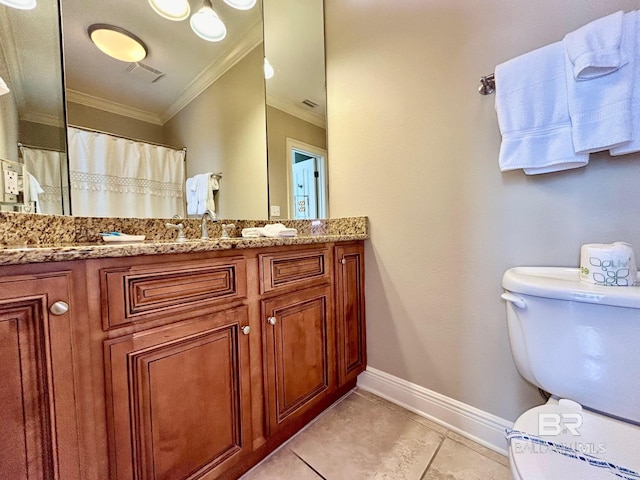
(366, 437)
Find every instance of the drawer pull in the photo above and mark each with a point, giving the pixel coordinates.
(246, 329)
(59, 308)
(271, 320)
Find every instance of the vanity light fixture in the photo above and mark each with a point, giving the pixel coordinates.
(20, 4)
(175, 10)
(268, 69)
(117, 42)
(207, 24)
(241, 4)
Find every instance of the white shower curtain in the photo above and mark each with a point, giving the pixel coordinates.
(116, 177)
(45, 166)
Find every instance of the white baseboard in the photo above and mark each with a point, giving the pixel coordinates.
(477, 425)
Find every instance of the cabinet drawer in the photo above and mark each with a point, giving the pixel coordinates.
(294, 269)
(137, 294)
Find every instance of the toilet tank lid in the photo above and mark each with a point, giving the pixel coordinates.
(563, 283)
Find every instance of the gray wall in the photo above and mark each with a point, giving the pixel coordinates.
(415, 147)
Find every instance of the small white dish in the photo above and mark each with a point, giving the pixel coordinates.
(123, 238)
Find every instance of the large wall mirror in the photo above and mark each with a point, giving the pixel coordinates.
(200, 107)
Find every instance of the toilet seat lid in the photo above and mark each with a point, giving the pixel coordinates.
(586, 443)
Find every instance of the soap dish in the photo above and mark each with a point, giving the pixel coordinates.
(122, 237)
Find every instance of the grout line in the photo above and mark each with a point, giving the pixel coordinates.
(308, 465)
(433, 457)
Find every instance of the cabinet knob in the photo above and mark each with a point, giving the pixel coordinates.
(59, 308)
(343, 261)
(271, 320)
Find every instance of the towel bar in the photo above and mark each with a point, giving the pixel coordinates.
(487, 85)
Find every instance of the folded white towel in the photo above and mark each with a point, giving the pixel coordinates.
(634, 145)
(531, 103)
(600, 108)
(271, 230)
(594, 50)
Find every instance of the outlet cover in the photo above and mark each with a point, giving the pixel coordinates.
(275, 210)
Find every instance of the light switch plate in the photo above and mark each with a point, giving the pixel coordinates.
(275, 210)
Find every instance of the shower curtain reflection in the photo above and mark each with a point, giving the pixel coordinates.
(117, 177)
(48, 186)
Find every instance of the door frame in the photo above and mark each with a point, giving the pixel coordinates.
(323, 175)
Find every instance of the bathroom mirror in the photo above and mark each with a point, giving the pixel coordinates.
(222, 130)
(296, 109)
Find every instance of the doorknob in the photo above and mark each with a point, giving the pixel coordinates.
(271, 320)
(59, 308)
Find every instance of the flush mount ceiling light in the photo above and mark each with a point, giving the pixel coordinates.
(20, 4)
(175, 10)
(241, 4)
(207, 24)
(117, 42)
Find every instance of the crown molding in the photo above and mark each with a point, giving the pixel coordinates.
(112, 107)
(43, 118)
(296, 110)
(213, 72)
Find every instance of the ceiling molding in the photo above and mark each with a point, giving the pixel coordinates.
(296, 110)
(213, 72)
(43, 118)
(112, 107)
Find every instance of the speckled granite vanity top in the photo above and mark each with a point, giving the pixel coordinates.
(47, 238)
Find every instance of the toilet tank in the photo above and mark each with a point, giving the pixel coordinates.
(576, 340)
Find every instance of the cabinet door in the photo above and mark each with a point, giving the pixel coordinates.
(298, 339)
(38, 420)
(179, 398)
(350, 313)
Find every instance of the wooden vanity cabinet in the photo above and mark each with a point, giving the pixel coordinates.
(350, 311)
(179, 366)
(39, 409)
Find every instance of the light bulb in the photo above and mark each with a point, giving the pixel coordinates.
(207, 24)
(268, 69)
(175, 10)
(241, 4)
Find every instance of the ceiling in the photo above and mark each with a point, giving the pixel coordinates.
(294, 44)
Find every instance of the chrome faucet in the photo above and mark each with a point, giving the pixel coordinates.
(203, 225)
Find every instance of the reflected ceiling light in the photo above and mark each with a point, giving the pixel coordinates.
(21, 4)
(207, 24)
(241, 4)
(117, 42)
(175, 10)
(3, 87)
(268, 69)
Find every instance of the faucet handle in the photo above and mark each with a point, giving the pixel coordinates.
(225, 232)
(180, 227)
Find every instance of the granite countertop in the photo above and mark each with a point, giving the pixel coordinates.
(22, 254)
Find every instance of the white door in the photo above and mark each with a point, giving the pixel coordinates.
(304, 189)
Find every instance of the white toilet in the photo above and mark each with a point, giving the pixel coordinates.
(581, 343)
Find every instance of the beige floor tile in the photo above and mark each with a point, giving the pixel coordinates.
(424, 421)
(487, 452)
(283, 464)
(455, 461)
(362, 439)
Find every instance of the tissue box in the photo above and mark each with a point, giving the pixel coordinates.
(608, 264)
